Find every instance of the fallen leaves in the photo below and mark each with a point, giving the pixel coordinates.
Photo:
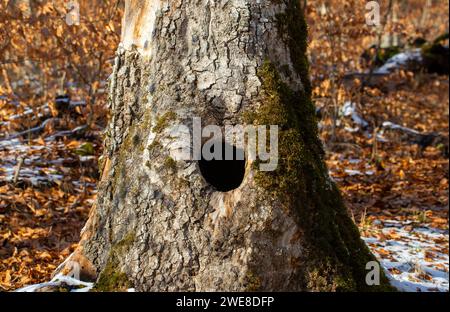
(40, 223)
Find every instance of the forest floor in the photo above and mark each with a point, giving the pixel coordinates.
(41, 215)
(399, 196)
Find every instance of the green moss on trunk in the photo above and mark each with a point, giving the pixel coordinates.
(112, 278)
(335, 257)
(163, 121)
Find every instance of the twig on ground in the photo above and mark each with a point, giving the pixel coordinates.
(17, 170)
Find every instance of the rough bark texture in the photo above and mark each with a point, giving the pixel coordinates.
(157, 224)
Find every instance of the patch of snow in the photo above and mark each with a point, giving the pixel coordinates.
(36, 170)
(60, 280)
(393, 126)
(351, 172)
(399, 60)
(351, 130)
(63, 281)
(381, 138)
(415, 259)
(87, 158)
(45, 109)
(349, 110)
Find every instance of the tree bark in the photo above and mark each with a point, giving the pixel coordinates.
(158, 225)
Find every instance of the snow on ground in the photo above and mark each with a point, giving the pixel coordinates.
(39, 166)
(415, 258)
(399, 60)
(70, 283)
(349, 110)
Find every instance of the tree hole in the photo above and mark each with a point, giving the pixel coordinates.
(223, 174)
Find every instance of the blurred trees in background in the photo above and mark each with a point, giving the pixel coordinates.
(341, 43)
(45, 52)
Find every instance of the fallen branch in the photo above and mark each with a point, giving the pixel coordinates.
(423, 140)
(32, 130)
(75, 131)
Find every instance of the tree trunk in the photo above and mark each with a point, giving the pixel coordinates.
(162, 224)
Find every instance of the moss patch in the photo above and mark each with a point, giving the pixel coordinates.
(112, 278)
(252, 282)
(163, 121)
(170, 163)
(298, 135)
